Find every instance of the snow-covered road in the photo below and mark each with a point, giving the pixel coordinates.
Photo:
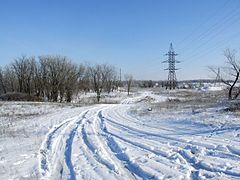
(108, 142)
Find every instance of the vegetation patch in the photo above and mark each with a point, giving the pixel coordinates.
(19, 97)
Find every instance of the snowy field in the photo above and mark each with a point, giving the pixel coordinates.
(150, 135)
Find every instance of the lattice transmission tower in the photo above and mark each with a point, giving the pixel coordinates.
(172, 79)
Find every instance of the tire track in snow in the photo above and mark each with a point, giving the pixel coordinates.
(52, 147)
(234, 150)
(97, 145)
(95, 152)
(132, 167)
(159, 153)
(182, 142)
(140, 133)
(46, 146)
(102, 149)
(136, 131)
(68, 151)
(91, 165)
(59, 143)
(210, 149)
(136, 144)
(193, 163)
(200, 165)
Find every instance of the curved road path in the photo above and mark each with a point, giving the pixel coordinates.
(106, 142)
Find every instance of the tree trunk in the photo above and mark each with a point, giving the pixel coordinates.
(3, 86)
(231, 88)
(98, 97)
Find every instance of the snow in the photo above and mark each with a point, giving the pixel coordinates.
(119, 141)
(146, 97)
(213, 87)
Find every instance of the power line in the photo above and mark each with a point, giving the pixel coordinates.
(179, 43)
(215, 26)
(216, 34)
(220, 30)
(217, 45)
(211, 33)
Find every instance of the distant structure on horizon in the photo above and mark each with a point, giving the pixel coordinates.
(171, 83)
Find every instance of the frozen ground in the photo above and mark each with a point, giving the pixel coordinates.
(177, 135)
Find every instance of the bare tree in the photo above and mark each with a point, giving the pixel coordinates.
(10, 79)
(232, 71)
(129, 80)
(71, 80)
(100, 75)
(95, 73)
(110, 76)
(83, 78)
(55, 78)
(24, 70)
(2, 85)
(38, 81)
(59, 77)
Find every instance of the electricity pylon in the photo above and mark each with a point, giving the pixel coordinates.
(172, 79)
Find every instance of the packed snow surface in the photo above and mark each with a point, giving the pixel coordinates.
(114, 141)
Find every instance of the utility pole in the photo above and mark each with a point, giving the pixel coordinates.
(120, 75)
(120, 78)
(172, 79)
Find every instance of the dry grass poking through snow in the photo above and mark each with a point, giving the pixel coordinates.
(188, 99)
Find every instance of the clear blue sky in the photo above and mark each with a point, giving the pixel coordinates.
(131, 34)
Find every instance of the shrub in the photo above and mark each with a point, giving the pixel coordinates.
(19, 97)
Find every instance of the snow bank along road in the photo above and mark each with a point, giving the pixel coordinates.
(108, 142)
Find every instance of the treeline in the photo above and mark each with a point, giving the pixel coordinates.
(56, 78)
